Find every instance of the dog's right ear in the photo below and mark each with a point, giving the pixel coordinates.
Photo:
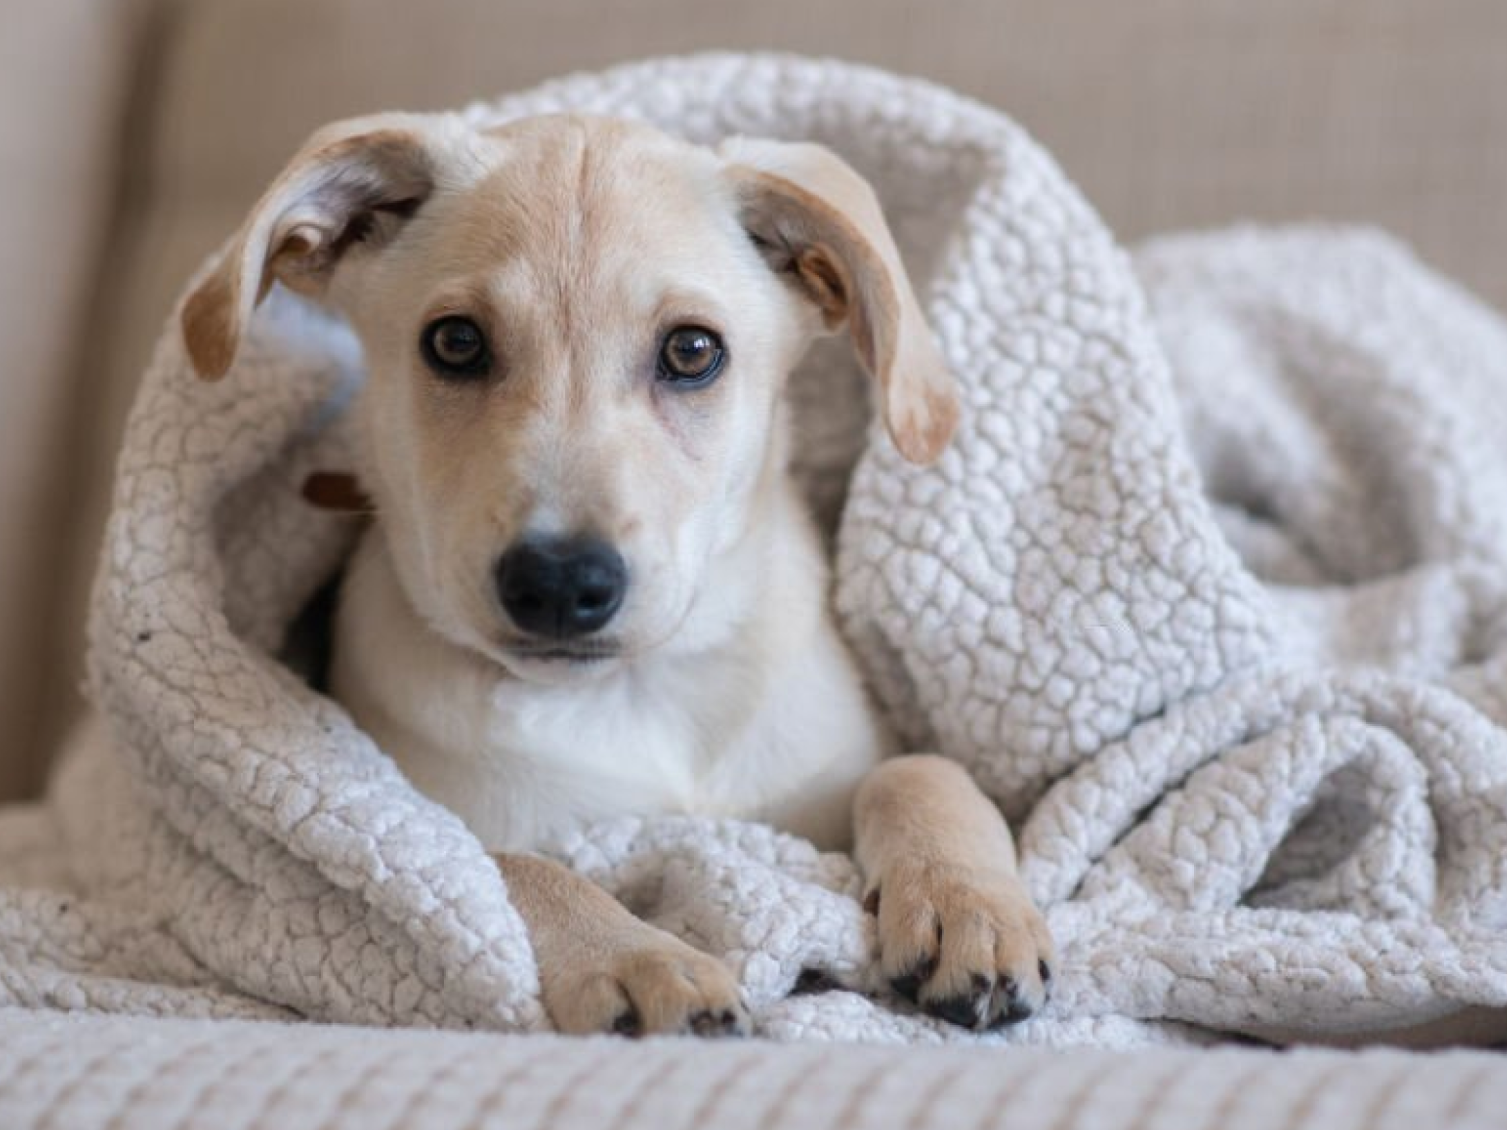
(344, 189)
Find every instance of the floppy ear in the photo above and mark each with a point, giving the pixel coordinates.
(817, 220)
(339, 191)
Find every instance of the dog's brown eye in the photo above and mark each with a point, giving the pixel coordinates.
(691, 356)
(456, 347)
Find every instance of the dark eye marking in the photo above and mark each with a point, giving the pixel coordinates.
(456, 348)
(691, 357)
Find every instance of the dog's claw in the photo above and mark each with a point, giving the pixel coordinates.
(1010, 1005)
(908, 984)
(971, 950)
(728, 1022)
(628, 1023)
(962, 1011)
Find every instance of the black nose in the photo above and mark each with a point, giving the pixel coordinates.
(561, 587)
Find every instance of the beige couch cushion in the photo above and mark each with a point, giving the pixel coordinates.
(1170, 113)
(63, 68)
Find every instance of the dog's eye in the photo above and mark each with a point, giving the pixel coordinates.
(456, 347)
(691, 356)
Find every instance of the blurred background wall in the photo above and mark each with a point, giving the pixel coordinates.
(134, 134)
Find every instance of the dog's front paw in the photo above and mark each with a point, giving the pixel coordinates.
(653, 984)
(967, 946)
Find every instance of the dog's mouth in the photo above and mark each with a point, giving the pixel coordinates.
(597, 651)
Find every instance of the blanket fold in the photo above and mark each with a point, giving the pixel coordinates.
(1210, 594)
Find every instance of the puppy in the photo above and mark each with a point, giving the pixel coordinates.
(592, 587)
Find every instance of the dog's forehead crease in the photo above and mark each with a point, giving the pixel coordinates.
(578, 188)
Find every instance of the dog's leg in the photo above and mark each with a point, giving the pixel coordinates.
(957, 932)
(603, 970)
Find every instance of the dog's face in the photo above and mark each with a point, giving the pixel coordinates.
(577, 332)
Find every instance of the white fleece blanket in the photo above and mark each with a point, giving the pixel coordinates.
(1210, 593)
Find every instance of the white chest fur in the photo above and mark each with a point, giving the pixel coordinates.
(785, 740)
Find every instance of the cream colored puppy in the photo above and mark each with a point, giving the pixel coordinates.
(592, 587)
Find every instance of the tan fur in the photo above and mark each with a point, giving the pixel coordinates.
(609, 971)
(721, 686)
(939, 869)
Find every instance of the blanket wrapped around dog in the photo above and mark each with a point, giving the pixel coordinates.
(1210, 593)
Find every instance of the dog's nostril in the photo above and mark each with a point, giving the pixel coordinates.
(594, 598)
(561, 587)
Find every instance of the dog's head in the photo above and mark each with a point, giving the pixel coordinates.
(577, 332)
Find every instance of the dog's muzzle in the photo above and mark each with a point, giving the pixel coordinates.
(561, 588)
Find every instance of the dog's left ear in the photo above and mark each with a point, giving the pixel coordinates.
(817, 220)
(347, 188)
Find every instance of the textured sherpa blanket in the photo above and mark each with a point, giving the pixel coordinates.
(1210, 593)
